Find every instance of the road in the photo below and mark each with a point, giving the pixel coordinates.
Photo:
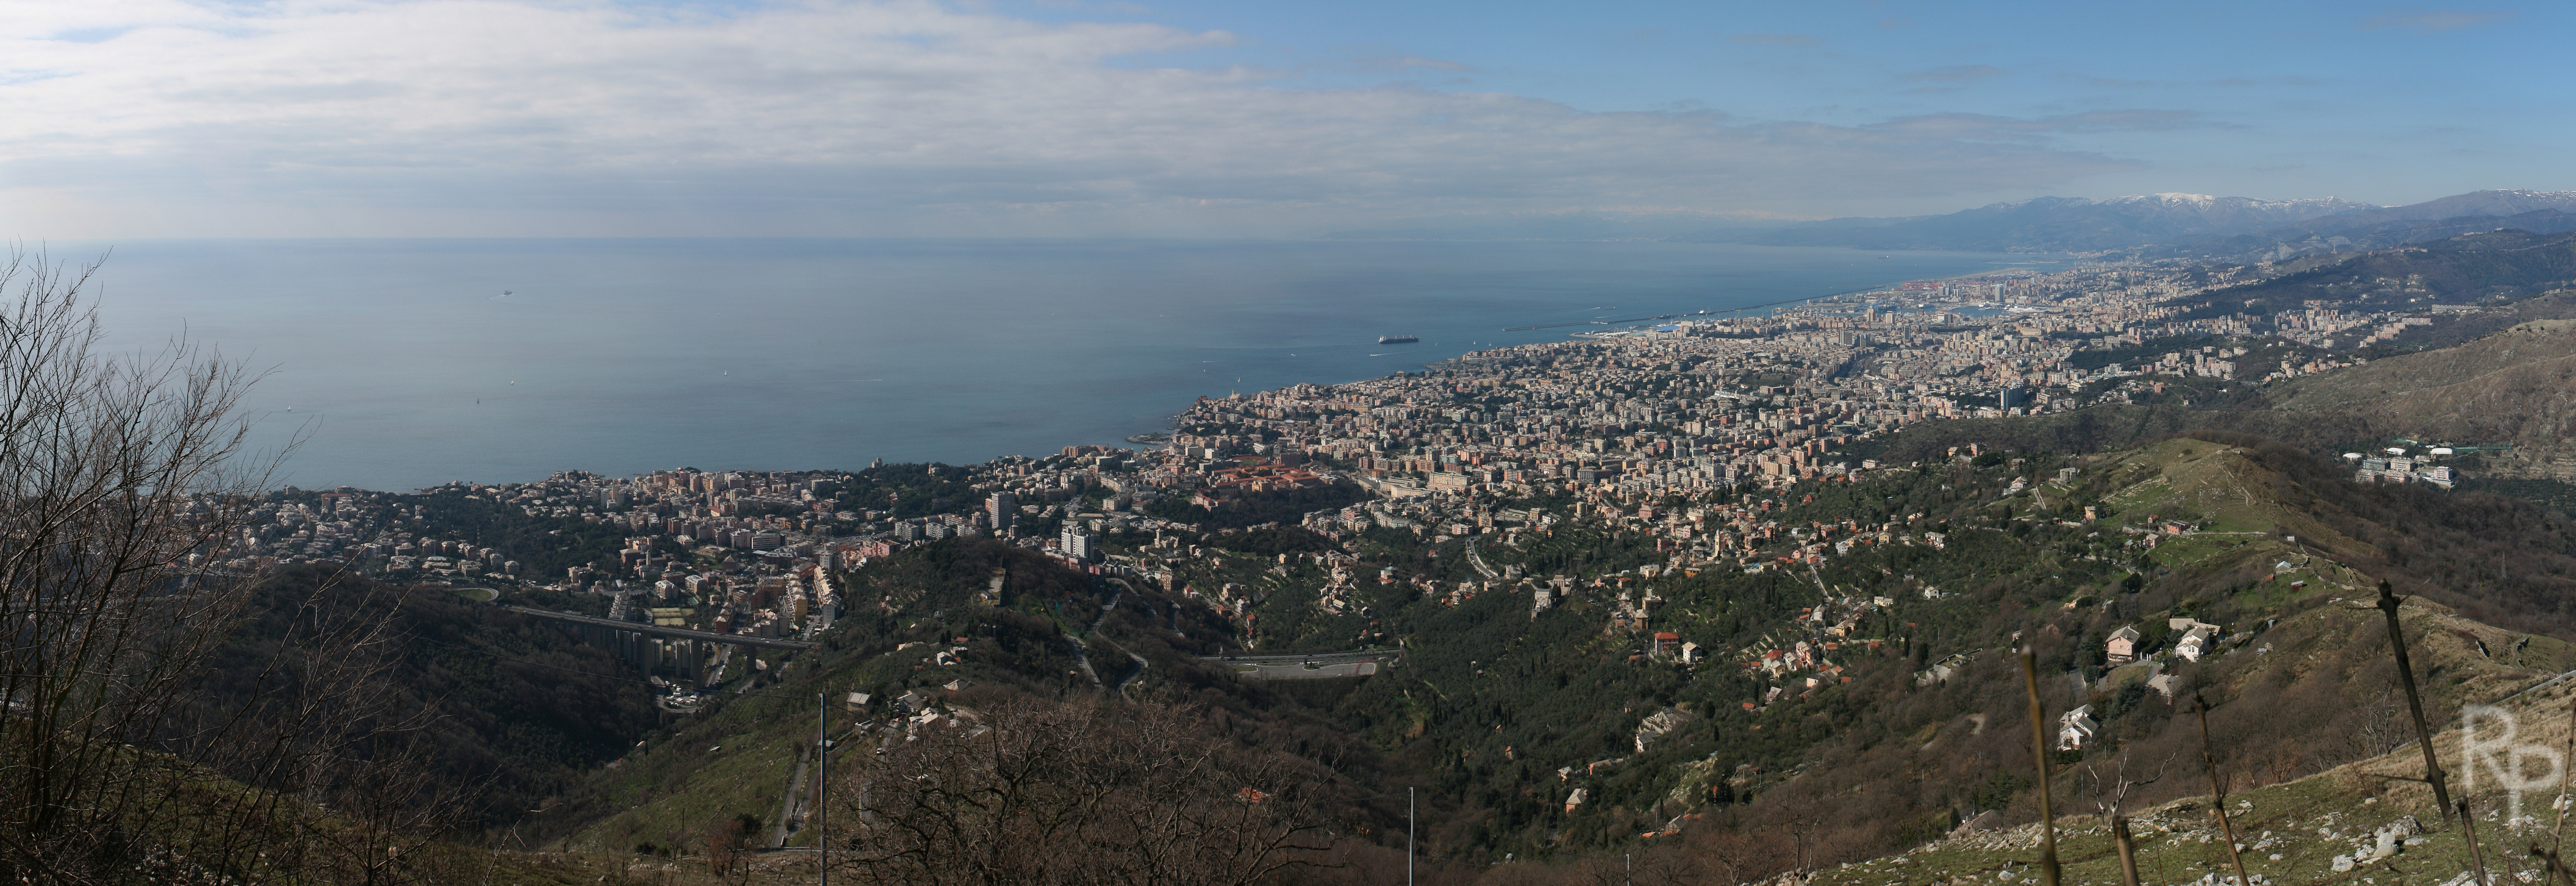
(1369, 653)
(1082, 650)
(1139, 669)
(1478, 560)
(1307, 665)
(649, 628)
(1132, 674)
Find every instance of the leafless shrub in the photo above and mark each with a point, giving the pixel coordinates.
(1039, 792)
(123, 482)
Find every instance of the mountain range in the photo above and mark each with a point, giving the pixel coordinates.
(2064, 224)
(2197, 224)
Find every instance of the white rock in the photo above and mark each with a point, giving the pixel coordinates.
(2342, 863)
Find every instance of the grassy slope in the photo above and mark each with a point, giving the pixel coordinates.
(2331, 620)
(2281, 824)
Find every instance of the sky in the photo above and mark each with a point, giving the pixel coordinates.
(1231, 118)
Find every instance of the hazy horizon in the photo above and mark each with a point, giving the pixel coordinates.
(450, 118)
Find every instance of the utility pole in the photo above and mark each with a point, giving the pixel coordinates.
(822, 783)
(1408, 837)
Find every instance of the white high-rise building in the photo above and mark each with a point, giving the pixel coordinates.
(1078, 544)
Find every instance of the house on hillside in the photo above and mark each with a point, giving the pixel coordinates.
(2123, 645)
(2076, 729)
(2193, 638)
(2196, 642)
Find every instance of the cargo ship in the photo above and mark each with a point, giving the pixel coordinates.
(1397, 339)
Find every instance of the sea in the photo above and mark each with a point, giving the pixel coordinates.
(396, 364)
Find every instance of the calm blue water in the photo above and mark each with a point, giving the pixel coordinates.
(405, 366)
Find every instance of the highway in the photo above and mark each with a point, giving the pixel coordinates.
(1478, 561)
(1295, 665)
(648, 628)
(1372, 654)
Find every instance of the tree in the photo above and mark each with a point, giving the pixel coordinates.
(1040, 792)
(123, 482)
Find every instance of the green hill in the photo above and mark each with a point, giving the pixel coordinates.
(1499, 710)
(2468, 269)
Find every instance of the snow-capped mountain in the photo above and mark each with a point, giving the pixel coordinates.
(2500, 202)
(2232, 211)
(2069, 224)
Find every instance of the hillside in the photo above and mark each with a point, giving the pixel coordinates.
(2304, 687)
(2468, 269)
(502, 711)
(2498, 203)
(980, 630)
(2296, 831)
(1555, 732)
(2344, 233)
(2513, 391)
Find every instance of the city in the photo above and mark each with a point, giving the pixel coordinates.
(1692, 432)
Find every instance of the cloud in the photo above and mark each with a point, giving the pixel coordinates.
(2253, 82)
(1991, 128)
(2432, 21)
(1955, 74)
(1398, 65)
(498, 117)
(1775, 39)
(1079, 5)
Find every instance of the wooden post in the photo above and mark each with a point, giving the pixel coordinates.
(2557, 836)
(2414, 703)
(2128, 850)
(2039, 758)
(2469, 828)
(2218, 790)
